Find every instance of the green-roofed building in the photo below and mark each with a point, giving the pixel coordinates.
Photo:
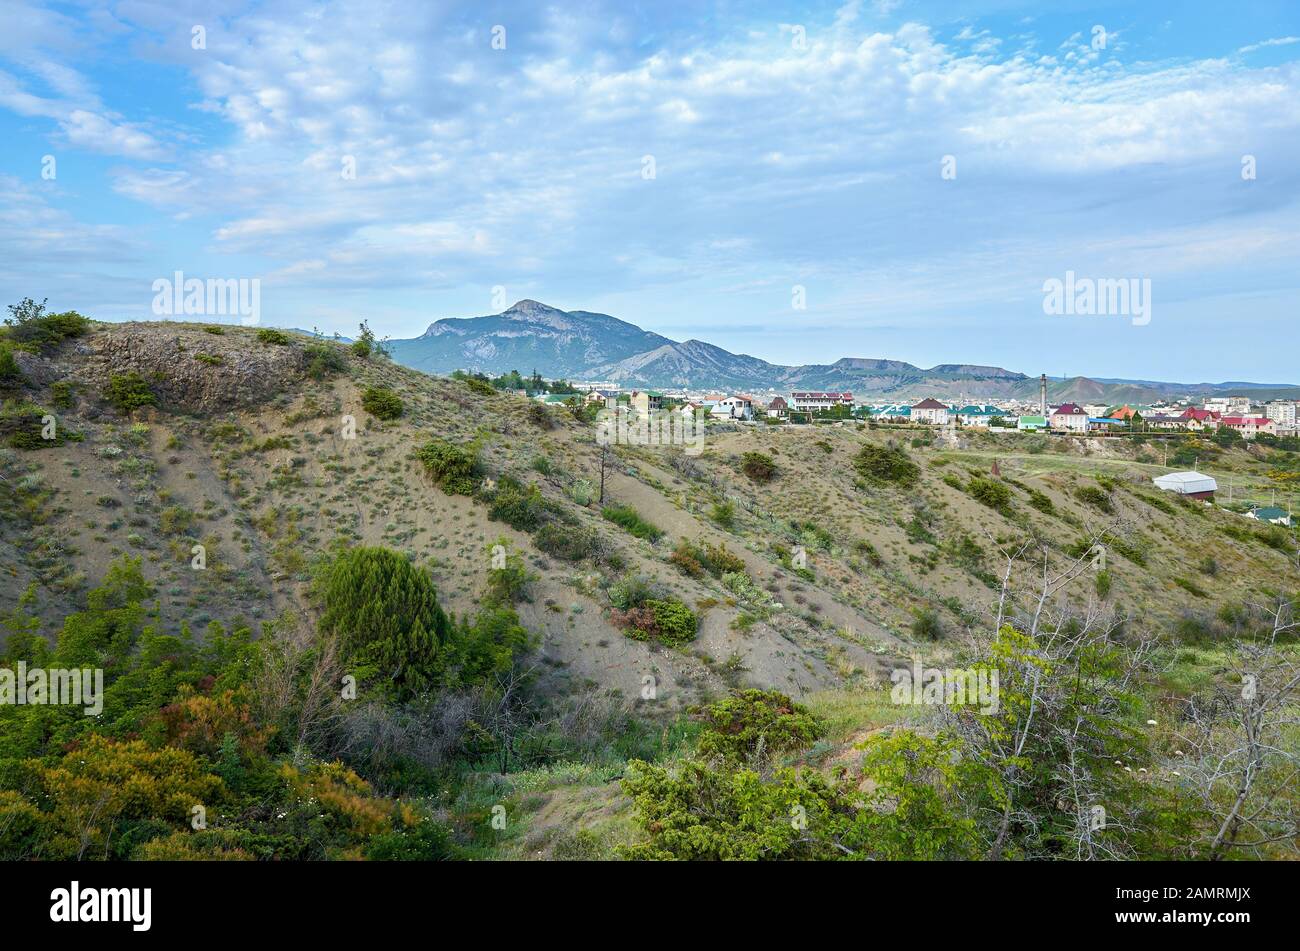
(1271, 514)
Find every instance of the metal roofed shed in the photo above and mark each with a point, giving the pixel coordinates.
(1191, 484)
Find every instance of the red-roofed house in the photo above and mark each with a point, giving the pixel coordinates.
(1249, 426)
(930, 411)
(1198, 419)
(1070, 417)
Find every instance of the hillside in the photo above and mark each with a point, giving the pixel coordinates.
(247, 452)
(828, 577)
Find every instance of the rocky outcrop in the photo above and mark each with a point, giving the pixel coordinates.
(36, 370)
(191, 370)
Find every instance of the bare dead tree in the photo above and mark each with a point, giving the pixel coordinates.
(1243, 761)
(298, 685)
(604, 462)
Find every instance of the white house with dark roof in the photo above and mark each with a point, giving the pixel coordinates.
(810, 401)
(930, 411)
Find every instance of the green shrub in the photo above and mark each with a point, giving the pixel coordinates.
(454, 469)
(630, 591)
(324, 360)
(382, 403)
(1095, 497)
(1041, 502)
(926, 625)
(394, 634)
(695, 559)
(758, 466)
(966, 553)
(675, 623)
(629, 519)
(1103, 584)
(521, 507)
(508, 583)
(667, 620)
(886, 465)
(269, 335)
(756, 725)
(868, 551)
(539, 415)
(129, 391)
(22, 426)
(215, 329)
(428, 841)
(11, 375)
(31, 327)
(581, 491)
(386, 614)
(210, 359)
(476, 384)
(990, 492)
(567, 542)
(62, 395)
(724, 513)
(176, 520)
(1157, 503)
(366, 345)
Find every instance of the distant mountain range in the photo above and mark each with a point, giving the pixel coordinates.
(580, 345)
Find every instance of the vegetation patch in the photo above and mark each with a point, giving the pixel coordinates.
(455, 469)
(759, 466)
(382, 403)
(753, 726)
(519, 506)
(273, 337)
(627, 518)
(129, 391)
(886, 465)
(29, 326)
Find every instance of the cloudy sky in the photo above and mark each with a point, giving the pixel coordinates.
(919, 169)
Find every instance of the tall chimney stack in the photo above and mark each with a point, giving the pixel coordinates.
(1042, 394)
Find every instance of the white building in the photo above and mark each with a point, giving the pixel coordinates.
(735, 407)
(1188, 483)
(1229, 405)
(930, 411)
(811, 401)
(1282, 412)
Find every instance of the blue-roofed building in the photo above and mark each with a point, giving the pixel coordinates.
(1105, 424)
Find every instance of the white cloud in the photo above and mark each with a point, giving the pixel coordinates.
(1278, 41)
(88, 130)
(479, 167)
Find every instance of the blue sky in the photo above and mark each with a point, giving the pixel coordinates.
(793, 144)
